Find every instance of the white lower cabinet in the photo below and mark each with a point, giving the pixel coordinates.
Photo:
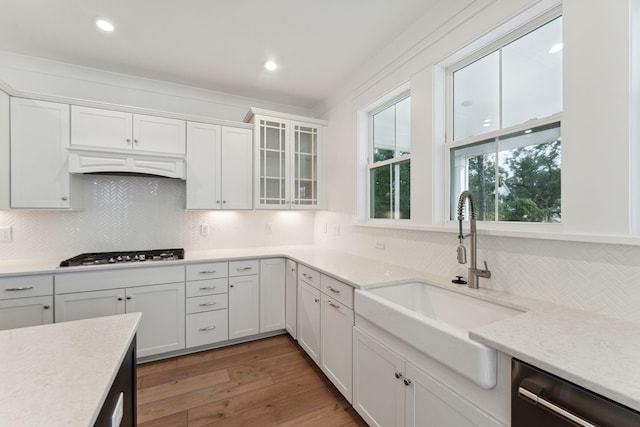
(391, 391)
(22, 312)
(309, 320)
(378, 389)
(272, 294)
(89, 294)
(291, 298)
(244, 306)
(207, 327)
(26, 301)
(336, 343)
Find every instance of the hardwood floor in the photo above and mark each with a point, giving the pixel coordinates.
(270, 382)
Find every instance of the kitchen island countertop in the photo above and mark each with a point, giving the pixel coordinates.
(60, 374)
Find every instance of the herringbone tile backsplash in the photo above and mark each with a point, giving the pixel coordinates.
(601, 278)
(128, 213)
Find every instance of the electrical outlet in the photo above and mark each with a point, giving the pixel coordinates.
(335, 230)
(380, 244)
(204, 230)
(5, 234)
(268, 228)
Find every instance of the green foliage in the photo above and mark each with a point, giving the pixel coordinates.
(529, 184)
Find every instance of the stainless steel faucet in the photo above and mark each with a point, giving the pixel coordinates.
(474, 272)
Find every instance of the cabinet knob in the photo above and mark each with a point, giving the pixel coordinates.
(46, 306)
(135, 141)
(407, 382)
(217, 201)
(232, 286)
(128, 297)
(128, 141)
(65, 198)
(119, 298)
(398, 375)
(316, 299)
(224, 201)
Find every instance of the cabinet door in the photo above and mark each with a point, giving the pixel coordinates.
(162, 327)
(291, 298)
(85, 305)
(336, 344)
(430, 403)
(378, 387)
(272, 294)
(235, 166)
(305, 165)
(39, 156)
(309, 320)
(244, 306)
(203, 158)
(22, 312)
(98, 128)
(158, 135)
(272, 163)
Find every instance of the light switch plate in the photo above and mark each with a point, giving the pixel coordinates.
(5, 234)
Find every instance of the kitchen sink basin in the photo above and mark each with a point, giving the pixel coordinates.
(437, 322)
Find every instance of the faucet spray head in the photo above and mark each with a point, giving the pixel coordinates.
(462, 253)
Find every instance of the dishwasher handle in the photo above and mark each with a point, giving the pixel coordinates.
(532, 392)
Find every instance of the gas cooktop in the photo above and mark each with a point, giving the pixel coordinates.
(99, 258)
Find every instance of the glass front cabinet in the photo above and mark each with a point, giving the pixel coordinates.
(287, 161)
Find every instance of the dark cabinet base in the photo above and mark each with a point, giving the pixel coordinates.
(125, 383)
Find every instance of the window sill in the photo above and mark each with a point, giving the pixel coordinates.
(521, 231)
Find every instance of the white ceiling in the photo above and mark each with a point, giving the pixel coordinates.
(214, 44)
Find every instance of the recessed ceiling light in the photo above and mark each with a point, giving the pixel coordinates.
(270, 65)
(556, 48)
(528, 131)
(105, 25)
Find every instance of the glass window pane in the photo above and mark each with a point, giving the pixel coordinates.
(381, 192)
(473, 168)
(530, 164)
(532, 75)
(384, 143)
(402, 201)
(476, 97)
(403, 127)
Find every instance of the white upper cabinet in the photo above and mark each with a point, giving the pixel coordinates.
(288, 162)
(219, 167)
(39, 157)
(120, 131)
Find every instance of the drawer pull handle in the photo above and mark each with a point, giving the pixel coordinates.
(207, 304)
(308, 276)
(316, 299)
(207, 288)
(207, 328)
(332, 304)
(334, 290)
(551, 406)
(244, 268)
(398, 375)
(207, 272)
(22, 288)
(407, 382)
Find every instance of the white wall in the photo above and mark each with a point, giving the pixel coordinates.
(596, 168)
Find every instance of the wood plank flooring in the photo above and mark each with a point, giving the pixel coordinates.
(270, 382)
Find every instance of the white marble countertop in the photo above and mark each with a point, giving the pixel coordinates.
(593, 351)
(60, 374)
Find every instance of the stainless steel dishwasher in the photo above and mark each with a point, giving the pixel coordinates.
(542, 399)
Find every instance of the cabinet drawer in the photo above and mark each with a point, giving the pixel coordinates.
(117, 278)
(207, 328)
(207, 303)
(209, 270)
(198, 288)
(338, 290)
(25, 286)
(309, 275)
(244, 268)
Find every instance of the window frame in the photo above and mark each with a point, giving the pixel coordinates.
(460, 61)
(383, 104)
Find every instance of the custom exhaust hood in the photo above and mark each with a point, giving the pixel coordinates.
(85, 161)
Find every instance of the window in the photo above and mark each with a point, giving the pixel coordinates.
(505, 144)
(389, 161)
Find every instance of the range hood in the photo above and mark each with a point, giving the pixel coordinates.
(81, 161)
